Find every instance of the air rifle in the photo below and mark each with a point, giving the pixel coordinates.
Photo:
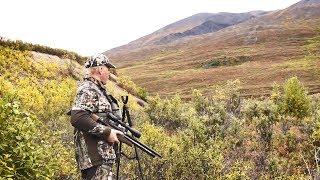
(108, 119)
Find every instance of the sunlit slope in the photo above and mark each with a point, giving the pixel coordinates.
(36, 92)
(34, 98)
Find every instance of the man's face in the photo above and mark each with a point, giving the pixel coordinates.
(104, 74)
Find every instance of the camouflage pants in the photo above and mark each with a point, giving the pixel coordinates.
(101, 172)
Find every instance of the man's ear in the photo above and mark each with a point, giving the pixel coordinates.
(100, 70)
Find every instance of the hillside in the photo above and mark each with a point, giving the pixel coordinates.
(36, 91)
(220, 136)
(118, 85)
(260, 51)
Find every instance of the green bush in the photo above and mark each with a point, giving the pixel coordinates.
(24, 154)
(169, 113)
(227, 61)
(253, 108)
(34, 99)
(295, 100)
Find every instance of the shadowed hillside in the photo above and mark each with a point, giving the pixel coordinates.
(213, 23)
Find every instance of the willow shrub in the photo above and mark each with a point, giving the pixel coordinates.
(295, 99)
(224, 137)
(169, 113)
(28, 150)
(44, 96)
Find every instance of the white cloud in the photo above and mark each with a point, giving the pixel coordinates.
(89, 27)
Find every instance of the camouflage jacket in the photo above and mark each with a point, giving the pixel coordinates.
(90, 136)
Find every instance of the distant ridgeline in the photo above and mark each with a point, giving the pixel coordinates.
(23, 46)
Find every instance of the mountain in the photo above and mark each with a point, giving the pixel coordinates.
(258, 48)
(213, 23)
(197, 24)
(176, 27)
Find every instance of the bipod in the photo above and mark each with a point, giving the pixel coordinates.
(126, 115)
(317, 159)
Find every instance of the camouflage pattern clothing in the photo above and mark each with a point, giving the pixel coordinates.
(103, 172)
(99, 60)
(97, 173)
(90, 137)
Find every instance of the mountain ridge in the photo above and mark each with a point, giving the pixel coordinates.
(180, 26)
(213, 23)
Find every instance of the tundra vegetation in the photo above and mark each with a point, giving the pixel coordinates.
(217, 136)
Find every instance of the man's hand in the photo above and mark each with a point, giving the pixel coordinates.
(112, 138)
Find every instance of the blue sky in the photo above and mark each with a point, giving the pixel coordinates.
(93, 26)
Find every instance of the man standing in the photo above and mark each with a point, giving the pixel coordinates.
(94, 142)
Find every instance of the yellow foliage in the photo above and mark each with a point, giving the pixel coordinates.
(42, 91)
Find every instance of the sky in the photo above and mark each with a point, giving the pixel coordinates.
(88, 27)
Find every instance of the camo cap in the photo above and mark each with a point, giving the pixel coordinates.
(98, 60)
